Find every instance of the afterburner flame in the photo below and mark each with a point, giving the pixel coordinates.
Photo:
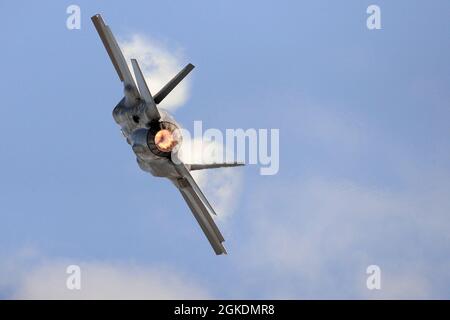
(165, 140)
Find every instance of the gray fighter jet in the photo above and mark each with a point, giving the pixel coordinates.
(154, 135)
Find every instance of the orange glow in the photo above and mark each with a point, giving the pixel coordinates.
(165, 140)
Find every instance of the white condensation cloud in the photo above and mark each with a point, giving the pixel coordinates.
(159, 65)
(222, 186)
(105, 281)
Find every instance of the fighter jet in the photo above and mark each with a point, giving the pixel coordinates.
(154, 135)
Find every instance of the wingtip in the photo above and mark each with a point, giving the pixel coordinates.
(96, 16)
(223, 251)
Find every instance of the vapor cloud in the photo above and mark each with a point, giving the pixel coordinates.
(158, 65)
(222, 186)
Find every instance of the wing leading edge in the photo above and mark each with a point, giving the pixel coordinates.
(117, 59)
(202, 211)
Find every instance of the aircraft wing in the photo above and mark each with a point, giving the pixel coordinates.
(200, 207)
(117, 59)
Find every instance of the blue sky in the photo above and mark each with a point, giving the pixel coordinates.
(364, 151)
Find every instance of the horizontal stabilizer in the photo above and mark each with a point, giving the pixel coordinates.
(173, 83)
(213, 165)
